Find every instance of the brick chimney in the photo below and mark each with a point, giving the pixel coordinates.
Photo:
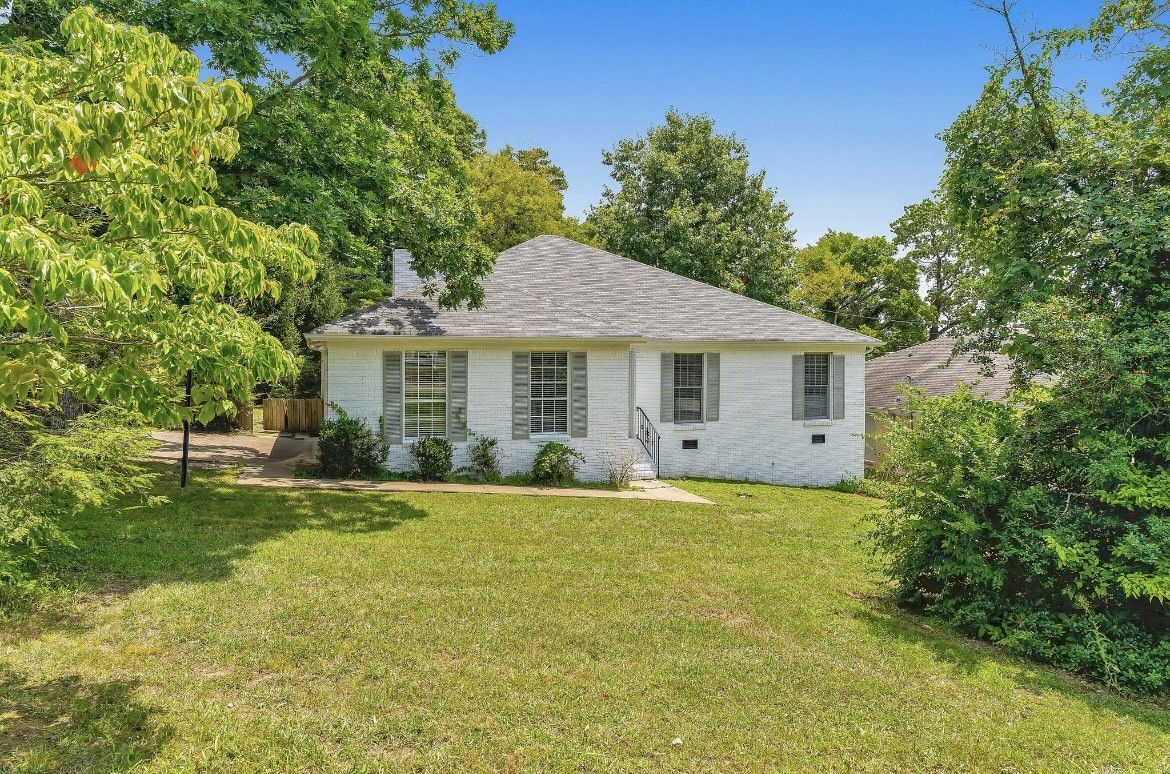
(403, 276)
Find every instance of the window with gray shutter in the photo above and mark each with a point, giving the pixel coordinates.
(688, 387)
(519, 395)
(457, 396)
(798, 387)
(712, 414)
(425, 397)
(325, 376)
(666, 400)
(838, 383)
(816, 385)
(392, 397)
(548, 412)
(579, 372)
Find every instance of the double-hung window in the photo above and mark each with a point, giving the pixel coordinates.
(425, 396)
(548, 393)
(816, 385)
(688, 387)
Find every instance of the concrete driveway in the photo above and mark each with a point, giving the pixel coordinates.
(278, 454)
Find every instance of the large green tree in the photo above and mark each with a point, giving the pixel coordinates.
(926, 234)
(537, 160)
(1052, 533)
(687, 202)
(372, 160)
(354, 132)
(520, 196)
(863, 284)
(119, 273)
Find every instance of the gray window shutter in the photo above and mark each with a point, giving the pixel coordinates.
(325, 376)
(457, 396)
(520, 363)
(838, 382)
(667, 409)
(579, 398)
(712, 413)
(392, 397)
(798, 386)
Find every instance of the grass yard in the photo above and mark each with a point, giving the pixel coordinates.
(259, 629)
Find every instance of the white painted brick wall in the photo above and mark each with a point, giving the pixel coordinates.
(754, 439)
(355, 383)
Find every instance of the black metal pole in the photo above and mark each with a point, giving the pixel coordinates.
(186, 432)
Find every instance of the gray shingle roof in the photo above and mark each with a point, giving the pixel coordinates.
(552, 287)
(930, 367)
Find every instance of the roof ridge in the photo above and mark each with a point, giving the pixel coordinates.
(684, 278)
(554, 286)
(582, 313)
(902, 352)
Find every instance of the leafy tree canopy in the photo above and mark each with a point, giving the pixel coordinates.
(925, 233)
(364, 144)
(515, 203)
(374, 159)
(862, 284)
(537, 160)
(320, 37)
(118, 271)
(519, 195)
(687, 202)
(1050, 531)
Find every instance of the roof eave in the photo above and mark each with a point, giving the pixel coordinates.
(776, 341)
(314, 339)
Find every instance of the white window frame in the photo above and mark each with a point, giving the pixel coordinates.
(534, 416)
(435, 397)
(702, 388)
(828, 386)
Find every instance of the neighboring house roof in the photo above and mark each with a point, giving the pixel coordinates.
(552, 287)
(931, 368)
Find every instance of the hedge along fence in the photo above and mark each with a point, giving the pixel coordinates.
(297, 415)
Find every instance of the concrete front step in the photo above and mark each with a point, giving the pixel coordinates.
(642, 472)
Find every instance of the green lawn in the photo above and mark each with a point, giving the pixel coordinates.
(248, 629)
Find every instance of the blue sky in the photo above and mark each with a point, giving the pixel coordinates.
(839, 102)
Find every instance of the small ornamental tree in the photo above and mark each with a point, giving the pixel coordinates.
(118, 272)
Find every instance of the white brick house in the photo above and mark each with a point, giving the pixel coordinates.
(605, 354)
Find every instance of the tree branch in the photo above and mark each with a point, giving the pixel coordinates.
(1004, 11)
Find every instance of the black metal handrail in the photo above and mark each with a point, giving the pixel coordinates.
(650, 440)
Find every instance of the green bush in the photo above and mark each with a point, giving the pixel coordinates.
(347, 448)
(485, 458)
(52, 466)
(986, 533)
(432, 458)
(556, 463)
(869, 486)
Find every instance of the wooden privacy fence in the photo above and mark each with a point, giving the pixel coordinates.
(295, 415)
(245, 416)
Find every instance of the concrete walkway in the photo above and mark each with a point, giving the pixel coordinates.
(272, 460)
